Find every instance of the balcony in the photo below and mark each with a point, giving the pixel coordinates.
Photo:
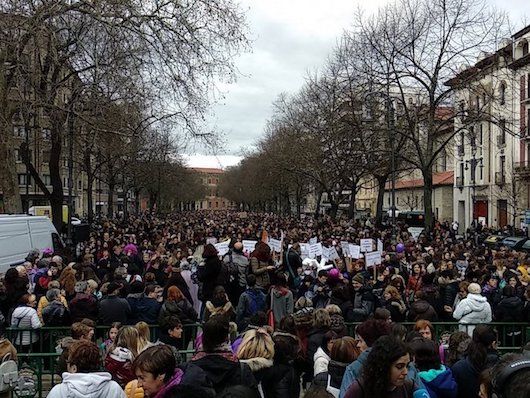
(522, 169)
(500, 178)
(501, 140)
(460, 150)
(459, 182)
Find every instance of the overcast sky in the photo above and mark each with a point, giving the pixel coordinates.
(289, 38)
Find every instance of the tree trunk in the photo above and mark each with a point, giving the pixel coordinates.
(381, 182)
(317, 209)
(351, 209)
(298, 203)
(89, 198)
(8, 172)
(427, 199)
(110, 201)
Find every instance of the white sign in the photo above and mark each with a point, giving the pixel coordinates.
(314, 240)
(415, 232)
(211, 240)
(333, 255)
(366, 245)
(344, 246)
(249, 245)
(372, 259)
(304, 250)
(380, 246)
(222, 247)
(315, 249)
(355, 251)
(276, 245)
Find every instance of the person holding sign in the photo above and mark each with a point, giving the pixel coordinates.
(363, 301)
(261, 264)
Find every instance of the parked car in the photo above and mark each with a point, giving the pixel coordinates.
(513, 242)
(525, 247)
(493, 241)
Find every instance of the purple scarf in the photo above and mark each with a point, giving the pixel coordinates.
(174, 381)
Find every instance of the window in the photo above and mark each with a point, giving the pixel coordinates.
(19, 131)
(45, 156)
(18, 157)
(79, 184)
(502, 164)
(502, 95)
(46, 134)
(525, 48)
(46, 179)
(23, 178)
(443, 160)
(502, 129)
(462, 171)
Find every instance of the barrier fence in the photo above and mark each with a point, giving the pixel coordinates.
(39, 360)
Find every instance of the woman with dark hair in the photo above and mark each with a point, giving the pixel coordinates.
(280, 298)
(177, 305)
(481, 354)
(384, 374)
(437, 379)
(219, 305)
(322, 355)
(457, 347)
(208, 272)
(343, 352)
(261, 263)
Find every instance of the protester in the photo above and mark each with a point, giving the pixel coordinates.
(122, 353)
(25, 317)
(114, 308)
(251, 301)
(474, 309)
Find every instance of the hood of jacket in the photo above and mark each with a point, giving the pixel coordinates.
(121, 354)
(420, 306)
(511, 302)
(320, 353)
(86, 385)
(218, 367)
(476, 302)
(256, 364)
(438, 379)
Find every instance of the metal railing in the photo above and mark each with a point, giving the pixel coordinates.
(41, 357)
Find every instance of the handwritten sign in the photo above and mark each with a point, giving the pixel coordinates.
(314, 240)
(344, 246)
(249, 245)
(222, 247)
(380, 246)
(366, 245)
(372, 259)
(315, 249)
(354, 251)
(330, 253)
(211, 241)
(276, 245)
(304, 250)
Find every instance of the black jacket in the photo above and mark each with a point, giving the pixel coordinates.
(56, 314)
(114, 309)
(510, 309)
(208, 274)
(224, 372)
(421, 309)
(314, 340)
(336, 370)
(182, 309)
(143, 308)
(280, 381)
(194, 384)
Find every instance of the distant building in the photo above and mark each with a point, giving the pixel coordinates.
(210, 178)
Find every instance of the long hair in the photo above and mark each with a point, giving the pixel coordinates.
(262, 252)
(144, 335)
(376, 370)
(127, 338)
(174, 294)
(256, 343)
(477, 352)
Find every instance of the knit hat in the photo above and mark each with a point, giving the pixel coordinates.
(474, 288)
(358, 278)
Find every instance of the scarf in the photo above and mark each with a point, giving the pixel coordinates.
(174, 381)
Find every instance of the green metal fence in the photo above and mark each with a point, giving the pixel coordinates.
(40, 359)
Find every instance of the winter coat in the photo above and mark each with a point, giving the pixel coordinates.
(510, 309)
(43, 303)
(398, 310)
(421, 309)
(133, 391)
(467, 378)
(472, 310)
(280, 381)
(360, 307)
(259, 268)
(241, 262)
(208, 274)
(114, 309)
(118, 363)
(314, 341)
(87, 385)
(25, 317)
(353, 371)
(7, 348)
(181, 309)
(320, 361)
(250, 302)
(143, 309)
(439, 383)
(258, 366)
(83, 306)
(332, 378)
(223, 370)
(282, 302)
(56, 314)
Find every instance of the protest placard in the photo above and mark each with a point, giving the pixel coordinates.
(222, 247)
(275, 244)
(366, 245)
(315, 249)
(211, 240)
(332, 254)
(380, 246)
(313, 240)
(304, 250)
(372, 259)
(354, 251)
(344, 246)
(249, 245)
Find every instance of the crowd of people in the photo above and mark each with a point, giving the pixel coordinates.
(273, 323)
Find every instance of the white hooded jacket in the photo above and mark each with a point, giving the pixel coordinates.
(87, 385)
(472, 310)
(320, 361)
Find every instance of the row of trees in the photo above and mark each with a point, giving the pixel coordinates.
(382, 97)
(111, 82)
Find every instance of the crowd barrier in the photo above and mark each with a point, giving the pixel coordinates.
(40, 359)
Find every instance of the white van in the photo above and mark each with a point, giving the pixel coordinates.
(19, 234)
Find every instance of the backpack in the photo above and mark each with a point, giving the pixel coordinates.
(8, 373)
(230, 268)
(256, 302)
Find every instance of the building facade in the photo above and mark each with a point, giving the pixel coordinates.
(212, 201)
